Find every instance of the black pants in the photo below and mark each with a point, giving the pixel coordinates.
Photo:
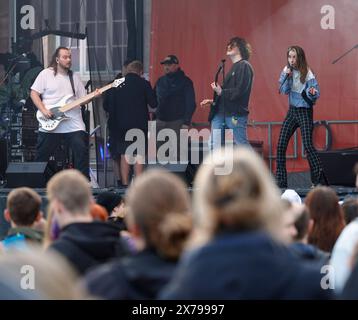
(303, 118)
(77, 141)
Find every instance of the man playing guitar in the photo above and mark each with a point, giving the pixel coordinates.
(51, 85)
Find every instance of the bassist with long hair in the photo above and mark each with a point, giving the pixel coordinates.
(52, 85)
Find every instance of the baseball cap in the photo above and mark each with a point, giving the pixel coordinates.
(170, 59)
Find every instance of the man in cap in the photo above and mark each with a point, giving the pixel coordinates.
(176, 98)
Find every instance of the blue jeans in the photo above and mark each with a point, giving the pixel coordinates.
(238, 125)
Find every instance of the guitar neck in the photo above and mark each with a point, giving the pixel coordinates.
(84, 99)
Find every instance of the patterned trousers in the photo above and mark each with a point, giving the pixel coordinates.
(303, 118)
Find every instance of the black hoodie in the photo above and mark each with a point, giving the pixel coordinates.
(140, 276)
(244, 266)
(88, 244)
(176, 97)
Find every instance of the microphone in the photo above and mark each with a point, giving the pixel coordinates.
(286, 76)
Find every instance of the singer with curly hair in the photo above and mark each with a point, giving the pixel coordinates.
(300, 84)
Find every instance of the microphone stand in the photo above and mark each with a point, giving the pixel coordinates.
(222, 67)
(216, 97)
(344, 54)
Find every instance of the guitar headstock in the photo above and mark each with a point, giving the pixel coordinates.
(118, 82)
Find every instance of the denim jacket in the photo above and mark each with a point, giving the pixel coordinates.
(294, 88)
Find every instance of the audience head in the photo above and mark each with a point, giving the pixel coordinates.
(303, 224)
(244, 199)
(110, 200)
(327, 215)
(45, 275)
(70, 196)
(23, 207)
(98, 212)
(350, 209)
(158, 212)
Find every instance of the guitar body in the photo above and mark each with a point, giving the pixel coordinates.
(58, 116)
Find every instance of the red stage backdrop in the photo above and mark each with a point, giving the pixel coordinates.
(197, 32)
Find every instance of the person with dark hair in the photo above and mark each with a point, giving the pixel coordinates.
(114, 204)
(327, 216)
(23, 210)
(300, 84)
(159, 221)
(350, 209)
(231, 107)
(300, 246)
(50, 86)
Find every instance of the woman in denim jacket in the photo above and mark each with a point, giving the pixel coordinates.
(299, 83)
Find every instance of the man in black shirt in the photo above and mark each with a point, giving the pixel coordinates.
(231, 107)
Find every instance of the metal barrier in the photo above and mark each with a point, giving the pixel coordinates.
(271, 124)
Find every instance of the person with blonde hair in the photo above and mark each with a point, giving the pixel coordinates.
(84, 242)
(238, 217)
(159, 222)
(37, 275)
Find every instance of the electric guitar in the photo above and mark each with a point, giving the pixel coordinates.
(58, 110)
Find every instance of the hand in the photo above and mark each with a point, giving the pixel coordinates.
(47, 113)
(206, 103)
(97, 93)
(216, 88)
(287, 70)
(312, 91)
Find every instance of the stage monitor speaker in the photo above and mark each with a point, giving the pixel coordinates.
(181, 170)
(27, 174)
(338, 166)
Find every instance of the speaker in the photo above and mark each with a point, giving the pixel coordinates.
(338, 166)
(179, 169)
(27, 174)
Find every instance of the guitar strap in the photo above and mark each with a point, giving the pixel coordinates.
(70, 74)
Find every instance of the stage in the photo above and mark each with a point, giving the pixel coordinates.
(341, 191)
